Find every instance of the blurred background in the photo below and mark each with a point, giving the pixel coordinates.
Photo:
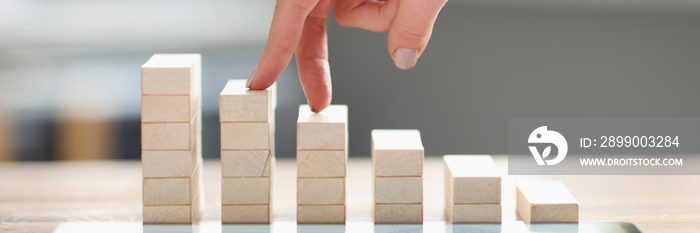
(70, 77)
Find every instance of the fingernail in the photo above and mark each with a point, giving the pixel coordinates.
(405, 58)
(250, 77)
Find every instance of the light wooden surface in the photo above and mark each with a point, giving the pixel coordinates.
(545, 202)
(36, 197)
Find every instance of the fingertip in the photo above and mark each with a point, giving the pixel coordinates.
(250, 77)
(319, 102)
(405, 58)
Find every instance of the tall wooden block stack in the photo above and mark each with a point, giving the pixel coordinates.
(247, 152)
(546, 202)
(171, 138)
(398, 169)
(322, 142)
(472, 189)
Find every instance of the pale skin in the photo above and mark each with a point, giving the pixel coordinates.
(299, 26)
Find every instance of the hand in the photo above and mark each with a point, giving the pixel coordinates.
(300, 26)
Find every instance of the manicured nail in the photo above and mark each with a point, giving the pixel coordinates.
(250, 77)
(405, 58)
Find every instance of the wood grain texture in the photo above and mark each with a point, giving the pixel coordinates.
(170, 136)
(395, 190)
(245, 163)
(398, 213)
(326, 130)
(245, 135)
(321, 163)
(172, 191)
(397, 152)
(238, 103)
(321, 214)
(173, 214)
(169, 163)
(472, 179)
(39, 196)
(171, 74)
(320, 191)
(472, 213)
(245, 214)
(169, 108)
(246, 190)
(546, 202)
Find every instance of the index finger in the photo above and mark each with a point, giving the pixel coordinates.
(285, 32)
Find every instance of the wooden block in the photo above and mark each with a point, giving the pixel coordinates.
(398, 213)
(321, 163)
(321, 214)
(170, 136)
(173, 214)
(238, 103)
(472, 179)
(246, 214)
(171, 74)
(269, 167)
(472, 213)
(326, 130)
(320, 191)
(546, 202)
(245, 163)
(172, 191)
(169, 108)
(398, 190)
(246, 190)
(169, 163)
(245, 135)
(397, 152)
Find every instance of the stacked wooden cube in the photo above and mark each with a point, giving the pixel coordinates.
(171, 138)
(247, 152)
(398, 169)
(472, 189)
(546, 202)
(322, 142)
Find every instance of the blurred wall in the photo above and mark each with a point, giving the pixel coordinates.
(487, 62)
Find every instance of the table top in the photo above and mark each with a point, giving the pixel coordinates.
(38, 196)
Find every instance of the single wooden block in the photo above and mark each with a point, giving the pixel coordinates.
(172, 74)
(246, 190)
(472, 179)
(169, 108)
(321, 214)
(398, 190)
(245, 214)
(546, 202)
(321, 163)
(169, 163)
(327, 130)
(397, 152)
(238, 103)
(473, 213)
(269, 167)
(320, 191)
(173, 214)
(245, 163)
(398, 213)
(170, 136)
(172, 191)
(245, 135)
